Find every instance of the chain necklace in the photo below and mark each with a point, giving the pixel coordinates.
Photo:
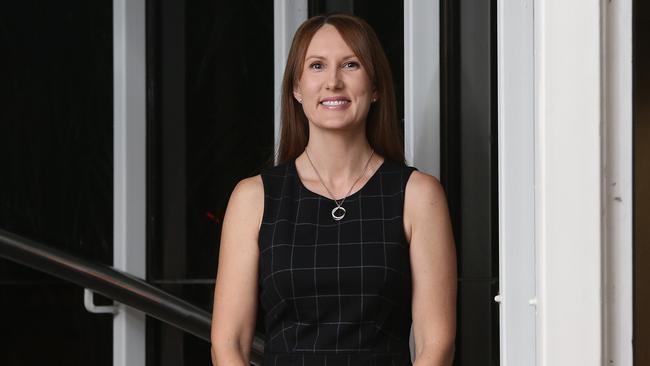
(335, 215)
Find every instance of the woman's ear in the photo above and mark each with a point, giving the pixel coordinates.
(375, 93)
(297, 94)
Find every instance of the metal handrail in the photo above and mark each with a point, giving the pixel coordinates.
(115, 284)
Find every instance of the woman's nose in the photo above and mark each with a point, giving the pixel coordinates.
(334, 79)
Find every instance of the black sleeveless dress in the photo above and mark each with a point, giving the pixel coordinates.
(335, 292)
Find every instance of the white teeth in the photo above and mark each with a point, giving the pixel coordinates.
(334, 102)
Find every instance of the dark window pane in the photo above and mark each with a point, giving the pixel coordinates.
(211, 124)
(56, 155)
(469, 170)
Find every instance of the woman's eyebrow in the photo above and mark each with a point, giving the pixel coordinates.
(323, 58)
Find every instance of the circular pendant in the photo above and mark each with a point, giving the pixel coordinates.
(337, 218)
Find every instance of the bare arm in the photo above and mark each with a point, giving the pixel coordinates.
(433, 264)
(235, 296)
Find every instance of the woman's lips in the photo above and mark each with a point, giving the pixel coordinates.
(335, 103)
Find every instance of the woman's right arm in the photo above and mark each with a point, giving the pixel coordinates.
(235, 297)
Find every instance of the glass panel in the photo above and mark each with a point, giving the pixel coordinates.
(210, 125)
(476, 312)
(469, 169)
(56, 151)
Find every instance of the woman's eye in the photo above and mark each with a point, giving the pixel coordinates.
(351, 65)
(316, 66)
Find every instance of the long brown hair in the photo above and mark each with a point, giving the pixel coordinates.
(382, 130)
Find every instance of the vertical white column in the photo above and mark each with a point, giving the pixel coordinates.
(422, 85)
(129, 151)
(617, 182)
(516, 86)
(568, 182)
(287, 17)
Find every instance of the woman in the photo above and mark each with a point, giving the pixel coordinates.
(343, 243)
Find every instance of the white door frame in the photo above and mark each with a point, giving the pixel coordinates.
(516, 154)
(568, 182)
(575, 61)
(583, 171)
(129, 182)
(618, 182)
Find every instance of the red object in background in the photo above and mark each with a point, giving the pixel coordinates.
(212, 217)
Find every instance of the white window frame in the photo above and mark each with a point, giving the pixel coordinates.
(593, 135)
(129, 182)
(516, 154)
(618, 182)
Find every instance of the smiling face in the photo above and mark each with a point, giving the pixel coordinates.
(334, 88)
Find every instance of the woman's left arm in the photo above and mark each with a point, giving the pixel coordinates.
(433, 267)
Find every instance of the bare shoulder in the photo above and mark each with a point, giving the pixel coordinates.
(247, 200)
(424, 187)
(424, 198)
(250, 187)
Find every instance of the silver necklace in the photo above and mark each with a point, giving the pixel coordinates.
(338, 212)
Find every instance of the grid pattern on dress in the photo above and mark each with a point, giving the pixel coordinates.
(335, 290)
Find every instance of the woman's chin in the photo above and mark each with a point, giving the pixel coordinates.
(339, 124)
